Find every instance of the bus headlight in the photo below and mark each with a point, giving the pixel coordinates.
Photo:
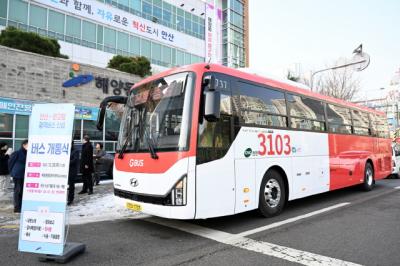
(178, 194)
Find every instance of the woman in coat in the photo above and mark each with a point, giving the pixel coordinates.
(16, 165)
(86, 166)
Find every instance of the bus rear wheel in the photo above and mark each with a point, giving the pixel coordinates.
(368, 177)
(272, 194)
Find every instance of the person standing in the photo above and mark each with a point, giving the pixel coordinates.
(16, 165)
(86, 166)
(72, 173)
(4, 173)
(99, 153)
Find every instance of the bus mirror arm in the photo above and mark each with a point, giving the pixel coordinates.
(211, 99)
(103, 106)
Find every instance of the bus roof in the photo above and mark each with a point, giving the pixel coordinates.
(284, 85)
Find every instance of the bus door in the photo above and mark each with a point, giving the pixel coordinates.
(215, 176)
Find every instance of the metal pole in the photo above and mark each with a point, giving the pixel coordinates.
(332, 68)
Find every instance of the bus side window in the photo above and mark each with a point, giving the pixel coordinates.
(214, 138)
(260, 106)
(339, 119)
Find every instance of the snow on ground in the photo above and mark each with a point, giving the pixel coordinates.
(98, 208)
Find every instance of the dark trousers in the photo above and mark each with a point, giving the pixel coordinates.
(18, 189)
(87, 182)
(71, 190)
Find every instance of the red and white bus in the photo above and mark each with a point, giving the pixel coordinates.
(204, 140)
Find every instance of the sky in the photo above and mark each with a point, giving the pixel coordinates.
(316, 33)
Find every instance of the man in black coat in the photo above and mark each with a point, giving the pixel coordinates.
(16, 165)
(86, 166)
(72, 173)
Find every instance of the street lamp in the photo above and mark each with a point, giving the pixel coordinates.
(360, 58)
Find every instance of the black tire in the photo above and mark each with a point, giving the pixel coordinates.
(272, 203)
(369, 181)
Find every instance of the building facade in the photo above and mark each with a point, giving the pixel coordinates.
(169, 33)
(27, 78)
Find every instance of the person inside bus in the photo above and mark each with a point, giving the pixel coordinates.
(86, 166)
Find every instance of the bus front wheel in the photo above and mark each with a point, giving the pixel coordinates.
(272, 194)
(368, 177)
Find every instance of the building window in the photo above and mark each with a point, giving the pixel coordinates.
(166, 55)
(109, 39)
(112, 124)
(3, 8)
(187, 59)
(123, 41)
(145, 49)
(156, 51)
(134, 45)
(73, 28)
(38, 17)
(6, 125)
(180, 58)
(146, 8)
(99, 34)
(21, 126)
(18, 11)
(88, 31)
(77, 129)
(56, 22)
(90, 129)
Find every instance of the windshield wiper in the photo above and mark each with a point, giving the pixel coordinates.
(150, 144)
(128, 137)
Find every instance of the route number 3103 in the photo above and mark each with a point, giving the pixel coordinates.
(274, 144)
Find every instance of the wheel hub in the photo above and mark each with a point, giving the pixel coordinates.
(272, 193)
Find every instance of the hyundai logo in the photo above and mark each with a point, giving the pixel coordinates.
(134, 182)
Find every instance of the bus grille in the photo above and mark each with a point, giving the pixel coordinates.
(142, 198)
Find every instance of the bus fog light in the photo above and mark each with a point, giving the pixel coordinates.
(179, 193)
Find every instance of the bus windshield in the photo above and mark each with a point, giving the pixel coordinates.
(157, 115)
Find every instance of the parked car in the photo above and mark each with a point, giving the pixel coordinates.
(395, 161)
(104, 166)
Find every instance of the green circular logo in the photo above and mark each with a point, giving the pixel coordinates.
(247, 152)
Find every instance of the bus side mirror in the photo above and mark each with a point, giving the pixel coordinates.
(212, 101)
(103, 107)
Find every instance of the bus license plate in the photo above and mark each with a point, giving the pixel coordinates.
(134, 207)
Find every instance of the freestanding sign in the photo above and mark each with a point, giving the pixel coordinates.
(42, 222)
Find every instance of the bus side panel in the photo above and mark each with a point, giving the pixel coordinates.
(348, 155)
(384, 160)
(302, 156)
(215, 187)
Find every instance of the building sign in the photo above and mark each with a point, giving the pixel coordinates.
(42, 222)
(117, 86)
(213, 34)
(11, 106)
(114, 17)
(86, 113)
(22, 107)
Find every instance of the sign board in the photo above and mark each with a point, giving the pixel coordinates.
(111, 16)
(42, 222)
(23, 107)
(213, 34)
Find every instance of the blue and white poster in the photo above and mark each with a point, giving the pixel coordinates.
(42, 222)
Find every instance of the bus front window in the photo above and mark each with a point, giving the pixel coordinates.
(158, 114)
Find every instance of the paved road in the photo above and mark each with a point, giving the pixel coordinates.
(342, 227)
